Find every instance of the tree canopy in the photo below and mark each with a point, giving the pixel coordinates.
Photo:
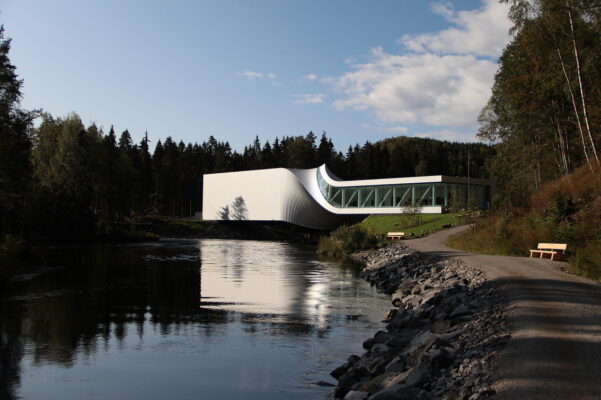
(545, 108)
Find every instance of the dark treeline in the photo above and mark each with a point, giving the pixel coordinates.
(545, 109)
(109, 178)
(65, 180)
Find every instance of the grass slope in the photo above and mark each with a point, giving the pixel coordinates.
(567, 210)
(410, 224)
(371, 232)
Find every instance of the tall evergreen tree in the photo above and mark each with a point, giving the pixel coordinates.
(15, 146)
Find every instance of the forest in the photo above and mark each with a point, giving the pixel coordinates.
(545, 108)
(61, 180)
(545, 116)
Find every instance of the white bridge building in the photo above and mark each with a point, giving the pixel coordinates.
(315, 198)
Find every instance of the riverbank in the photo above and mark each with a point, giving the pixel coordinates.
(442, 334)
(167, 227)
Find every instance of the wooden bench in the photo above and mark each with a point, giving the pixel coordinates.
(556, 251)
(395, 235)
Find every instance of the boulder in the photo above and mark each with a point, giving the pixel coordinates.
(356, 395)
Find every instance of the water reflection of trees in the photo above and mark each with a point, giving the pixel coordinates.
(109, 292)
(99, 294)
(11, 350)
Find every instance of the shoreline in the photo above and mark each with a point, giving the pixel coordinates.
(442, 334)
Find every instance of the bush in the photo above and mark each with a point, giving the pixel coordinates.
(586, 261)
(329, 247)
(14, 255)
(346, 240)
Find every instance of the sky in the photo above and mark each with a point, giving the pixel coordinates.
(358, 70)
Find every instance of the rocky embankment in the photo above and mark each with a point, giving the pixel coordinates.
(441, 336)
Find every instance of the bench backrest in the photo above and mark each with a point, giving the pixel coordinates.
(396, 233)
(553, 246)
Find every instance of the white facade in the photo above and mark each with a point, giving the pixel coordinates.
(315, 198)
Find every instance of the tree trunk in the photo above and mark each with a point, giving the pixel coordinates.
(560, 140)
(584, 112)
(573, 98)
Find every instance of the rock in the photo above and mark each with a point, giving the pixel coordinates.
(441, 326)
(382, 337)
(324, 383)
(441, 337)
(379, 348)
(428, 296)
(409, 299)
(347, 380)
(379, 365)
(390, 314)
(368, 344)
(424, 339)
(396, 392)
(396, 365)
(419, 373)
(356, 395)
(400, 318)
(338, 372)
(461, 310)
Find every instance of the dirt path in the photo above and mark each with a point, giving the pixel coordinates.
(555, 348)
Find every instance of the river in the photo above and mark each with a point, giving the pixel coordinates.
(183, 319)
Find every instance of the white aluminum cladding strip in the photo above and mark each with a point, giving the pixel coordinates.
(301, 207)
(308, 178)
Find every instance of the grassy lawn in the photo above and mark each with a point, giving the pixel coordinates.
(426, 223)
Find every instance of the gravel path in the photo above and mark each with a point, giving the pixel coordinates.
(555, 348)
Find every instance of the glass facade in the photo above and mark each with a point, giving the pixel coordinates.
(447, 195)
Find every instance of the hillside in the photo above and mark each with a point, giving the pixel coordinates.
(566, 210)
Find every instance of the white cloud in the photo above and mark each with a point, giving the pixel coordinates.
(314, 98)
(445, 9)
(397, 129)
(311, 77)
(252, 75)
(483, 31)
(414, 88)
(443, 80)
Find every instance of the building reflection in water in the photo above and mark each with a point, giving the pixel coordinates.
(104, 312)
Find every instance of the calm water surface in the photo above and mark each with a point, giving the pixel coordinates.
(206, 319)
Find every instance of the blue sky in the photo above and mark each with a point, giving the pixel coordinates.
(359, 70)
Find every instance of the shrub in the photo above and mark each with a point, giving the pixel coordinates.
(359, 239)
(346, 240)
(329, 247)
(14, 255)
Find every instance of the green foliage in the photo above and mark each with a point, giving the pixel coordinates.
(502, 227)
(347, 240)
(165, 226)
(545, 109)
(15, 256)
(358, 239)
(563, 211)
(382, 224)
(341, 233)
(15, 146)
(64, 181)
(329, 247)
(126, 234)
(558, 209)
